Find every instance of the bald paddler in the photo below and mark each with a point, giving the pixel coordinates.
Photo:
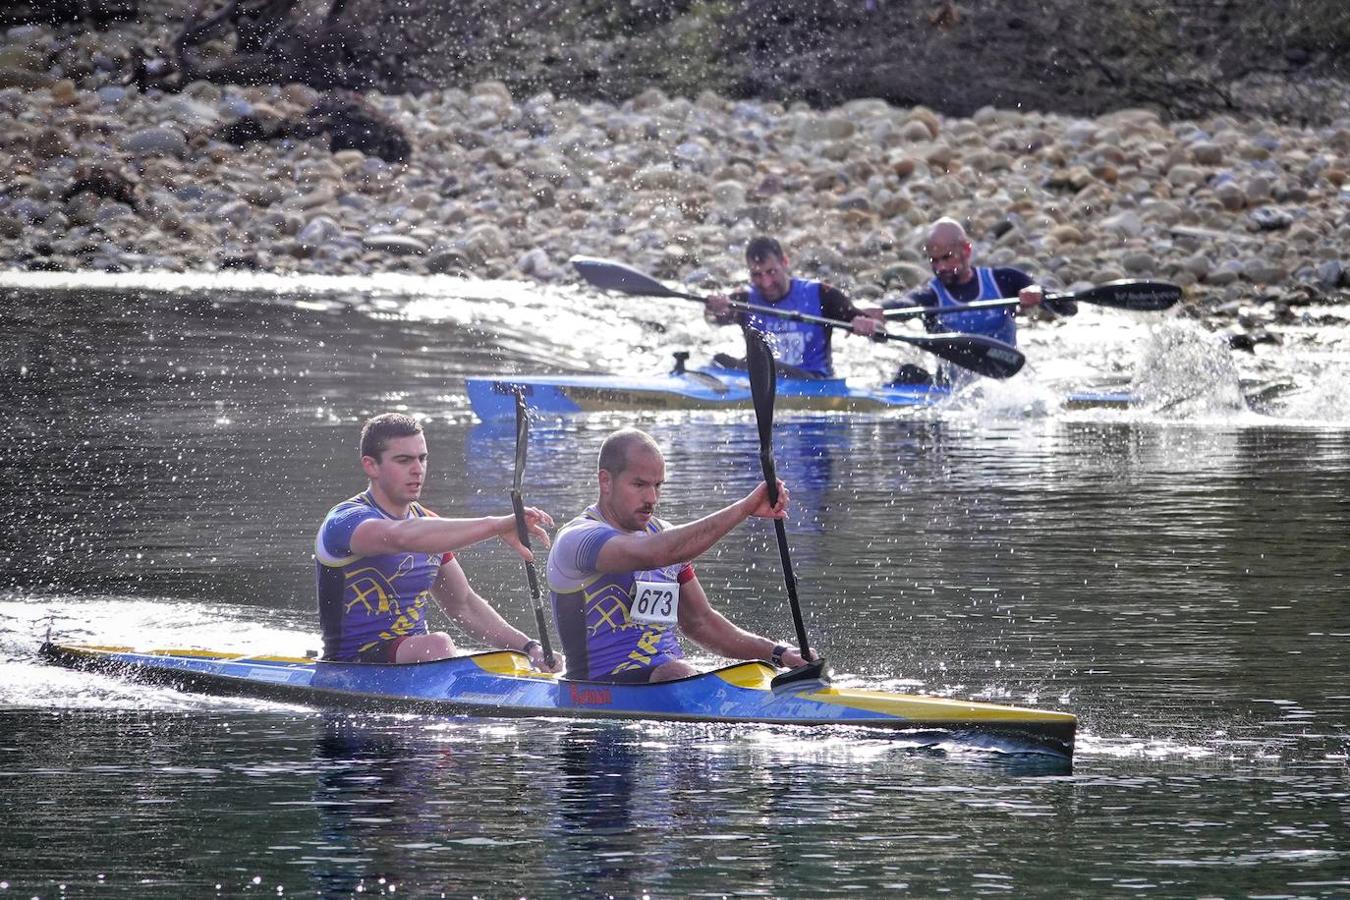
(956, 281)
(623, 583)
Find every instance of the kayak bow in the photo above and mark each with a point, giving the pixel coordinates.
(502, 683)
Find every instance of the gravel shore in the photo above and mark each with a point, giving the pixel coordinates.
(1237, 211)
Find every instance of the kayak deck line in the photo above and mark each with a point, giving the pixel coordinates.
(493, 396)
(501, 683)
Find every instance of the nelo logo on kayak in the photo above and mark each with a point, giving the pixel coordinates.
(589, 696)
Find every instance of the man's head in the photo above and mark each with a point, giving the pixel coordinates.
(394, 458)
(768, 266)
(632, 472)
(949, 252)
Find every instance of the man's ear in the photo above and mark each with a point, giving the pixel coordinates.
(606, 481)
(370, 466)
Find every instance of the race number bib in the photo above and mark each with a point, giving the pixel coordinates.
(790, 347)
(655, 602)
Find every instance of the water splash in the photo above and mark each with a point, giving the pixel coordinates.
(1186, 372)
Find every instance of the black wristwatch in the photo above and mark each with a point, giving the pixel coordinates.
(776, 657)
(530, 643)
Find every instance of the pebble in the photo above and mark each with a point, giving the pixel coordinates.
(158, 141)
(395, 244)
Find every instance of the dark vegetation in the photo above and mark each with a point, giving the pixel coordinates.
(1184, 57)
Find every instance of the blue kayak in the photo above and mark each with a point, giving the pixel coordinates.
(502, 683)
(711, 387)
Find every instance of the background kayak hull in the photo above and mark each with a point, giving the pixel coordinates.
(493, 396)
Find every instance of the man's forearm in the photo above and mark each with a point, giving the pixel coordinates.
(441, 535)
(690, 540)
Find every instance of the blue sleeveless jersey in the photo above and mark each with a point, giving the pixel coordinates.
(591, 608)
(799, 344)
(999, 324)
(364, 600)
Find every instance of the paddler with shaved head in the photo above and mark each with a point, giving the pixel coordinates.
(622, 581)
(956, 281)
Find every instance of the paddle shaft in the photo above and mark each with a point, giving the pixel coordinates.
(532, 576)
(523, 532)
(794, 316)
(1139, 296)
(789, 577)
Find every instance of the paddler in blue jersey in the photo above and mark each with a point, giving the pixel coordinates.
(956, 281)
(383, 559)
(622, 581)
(801, 349)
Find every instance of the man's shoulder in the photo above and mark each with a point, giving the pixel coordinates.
(1011, 278)
(352, 505)
(923, 295)
(332, 545)
(588, 520)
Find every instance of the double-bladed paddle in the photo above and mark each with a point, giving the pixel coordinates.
(522, 532)
(763, 387)
(1136, 296)
(982, 355)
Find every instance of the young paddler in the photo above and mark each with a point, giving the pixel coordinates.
(383, 558)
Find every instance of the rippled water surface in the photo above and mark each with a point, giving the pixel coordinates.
(1175, 575)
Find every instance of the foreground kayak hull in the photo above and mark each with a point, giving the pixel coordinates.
(502, 683)
(493, 396)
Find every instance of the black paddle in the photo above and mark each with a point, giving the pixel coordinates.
(763, 386)
(982, 355)
(1137, 296)
(522, 532)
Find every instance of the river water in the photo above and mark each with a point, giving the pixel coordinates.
(1175, 574)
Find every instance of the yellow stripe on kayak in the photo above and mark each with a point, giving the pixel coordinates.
(753, 675)
(919, 708)
(506, 662)
(89, 649)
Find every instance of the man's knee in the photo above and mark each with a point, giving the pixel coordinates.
(426, 647)
(669, 671)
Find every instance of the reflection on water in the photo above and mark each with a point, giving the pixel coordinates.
(1178, 584)
(165, 803)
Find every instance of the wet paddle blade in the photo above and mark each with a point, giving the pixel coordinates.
(763, 384)
(614, 276)
(982, 355)
(1139, 296)
(803, 676)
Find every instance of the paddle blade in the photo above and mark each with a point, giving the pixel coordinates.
(1139, 296)
(804, 676)
(613, 276)
(976, 352)
(763, 384)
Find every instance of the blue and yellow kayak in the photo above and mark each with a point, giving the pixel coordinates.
(502, 683)
(493, 396)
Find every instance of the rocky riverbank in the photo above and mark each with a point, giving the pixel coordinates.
(102, 176)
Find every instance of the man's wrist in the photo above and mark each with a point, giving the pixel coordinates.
(529, 644)
(776, 657)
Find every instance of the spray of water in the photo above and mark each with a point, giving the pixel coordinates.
(1187, 372)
